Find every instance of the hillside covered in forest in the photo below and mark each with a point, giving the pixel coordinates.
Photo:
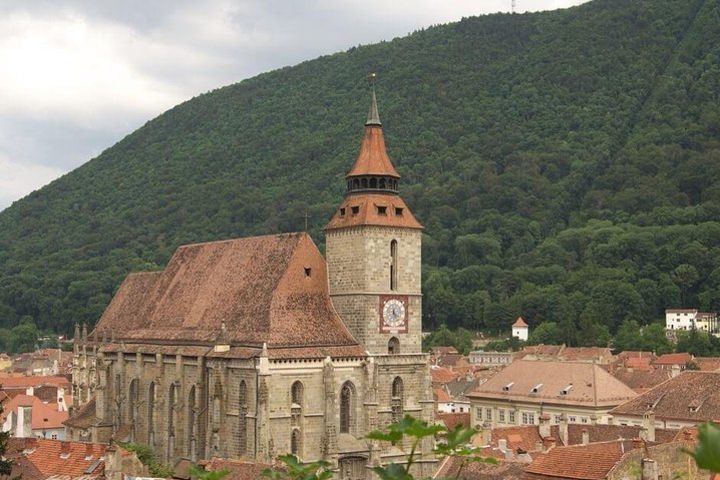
(565, 164)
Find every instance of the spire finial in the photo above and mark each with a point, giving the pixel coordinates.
(373, 117)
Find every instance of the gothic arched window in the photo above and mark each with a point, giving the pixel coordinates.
(347, 407)
(296, 393)
(393, 264)
(396, 400)
(151, 412)
(133, 407)
(393, 346)
(242, 419)
(191, 422)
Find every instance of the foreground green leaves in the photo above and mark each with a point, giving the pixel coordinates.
(707, 452)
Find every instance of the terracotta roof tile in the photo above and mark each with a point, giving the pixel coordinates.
(238, 469)
(591, 385)
(641, 380)
(365, 209)
(582, 462)
(270, 289)
(441, 396)
(55, 457)
(453, 467)
(44, 415)
(452, 420)
(519, 323)
(708, 364)
(373, 158)
(8, 382)
(673, 359)
(442, 375)
(691, 396)
(84, 417)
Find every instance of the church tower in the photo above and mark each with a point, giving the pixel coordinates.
(373, 252)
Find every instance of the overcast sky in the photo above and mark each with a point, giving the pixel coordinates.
(77, 76)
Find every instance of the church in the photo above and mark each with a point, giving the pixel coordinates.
(255, 347)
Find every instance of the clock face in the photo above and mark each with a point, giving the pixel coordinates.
(394, 313)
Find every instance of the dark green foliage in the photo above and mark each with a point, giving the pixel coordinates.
(460, 338)
(566, 166)
(5, 464)
(651, 338)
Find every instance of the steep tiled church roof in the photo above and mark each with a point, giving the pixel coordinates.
(244, 292)
(365, 209)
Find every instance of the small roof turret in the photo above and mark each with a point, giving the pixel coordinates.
(519, 323)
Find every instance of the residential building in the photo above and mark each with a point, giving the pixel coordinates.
(599, 355)
(520, 329)
(691, 318)
(490, 359)
(40, 459)
(524, 390)
(687, 399)
(28, 416)
(670, 361)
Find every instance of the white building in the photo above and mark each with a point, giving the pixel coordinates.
(687, 319)
(520, 329)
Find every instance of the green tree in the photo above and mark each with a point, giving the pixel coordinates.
(548, 333)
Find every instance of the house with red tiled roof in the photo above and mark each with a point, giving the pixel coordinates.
(254, 347)
(28, 416)
(41, 459)
(672, 360)
(687, 399)
(520, 329)
(524, 390)
(599, 355)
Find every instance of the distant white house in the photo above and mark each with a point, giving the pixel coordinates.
(520, 329)
(689, 318)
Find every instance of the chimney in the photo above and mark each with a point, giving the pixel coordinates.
(674, 371)
(544, 428)
(64, 449)
(88, 451)
(649, 469)
(649, 425)
(61, 400)
(548, 443)
(585, 436)
(502, 445)
(564, 429)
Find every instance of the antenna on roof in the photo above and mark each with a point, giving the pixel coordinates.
(306, 220)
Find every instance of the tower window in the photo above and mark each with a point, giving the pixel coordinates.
(296, 393)
(393, 264)
(308, 271)
(295, 442)
(342, 211)
(396, 399)
(398, 211)
(355, 210)
(347, 407)
(393, 346)
(382, 210)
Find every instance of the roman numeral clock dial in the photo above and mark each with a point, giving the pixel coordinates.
(393, 314)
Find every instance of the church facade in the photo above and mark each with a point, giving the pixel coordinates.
(256, 347)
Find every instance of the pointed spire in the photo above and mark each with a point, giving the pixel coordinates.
(373, 117)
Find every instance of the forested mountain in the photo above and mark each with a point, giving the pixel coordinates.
(565, 164)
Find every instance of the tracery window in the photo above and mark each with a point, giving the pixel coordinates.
(347, 407)
(396, 400)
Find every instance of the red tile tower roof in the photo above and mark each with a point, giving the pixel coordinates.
(519, 323)
(372, 197)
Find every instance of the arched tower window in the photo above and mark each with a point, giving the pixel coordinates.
(296, 393)
(393, 264)
(393, 346)
(347, 407)
(295, 442)
(242, 419)
(396, 400)
(217, 404)
(151, 413)
(191, 422)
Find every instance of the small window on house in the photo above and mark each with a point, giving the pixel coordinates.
(308, 271)
(355, 210)
(398, 211)
(382, 210)
(342, 211)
